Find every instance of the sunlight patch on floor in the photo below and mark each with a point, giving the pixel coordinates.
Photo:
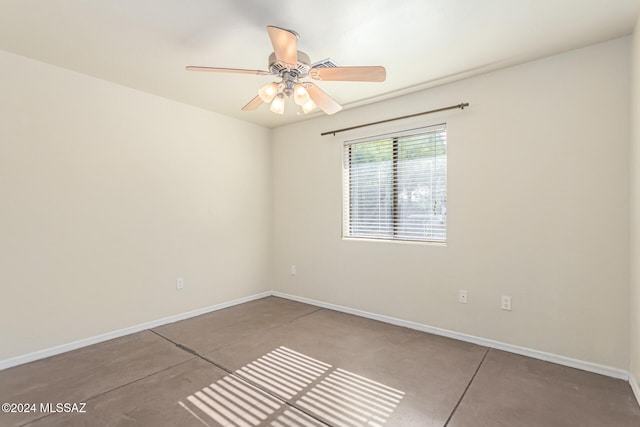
(271, 386)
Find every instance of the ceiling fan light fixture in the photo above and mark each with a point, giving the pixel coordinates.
(300, 94)
(277, 106)
(268, 93)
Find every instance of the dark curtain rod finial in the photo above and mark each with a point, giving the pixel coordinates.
(452, 107)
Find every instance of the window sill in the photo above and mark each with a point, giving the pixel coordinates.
(396, 241)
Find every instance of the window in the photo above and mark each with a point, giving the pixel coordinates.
(395, 186)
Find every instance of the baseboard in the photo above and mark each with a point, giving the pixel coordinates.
(635, 386)
(41, 354)
(536, 354)
(549, 357)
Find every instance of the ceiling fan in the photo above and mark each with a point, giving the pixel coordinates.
(291, 66)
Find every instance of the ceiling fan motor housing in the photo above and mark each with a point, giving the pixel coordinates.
(299, 70)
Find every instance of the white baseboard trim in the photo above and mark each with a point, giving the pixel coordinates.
(536, 354)
(41, 354)
(635, 386)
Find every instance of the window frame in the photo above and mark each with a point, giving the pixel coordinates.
(396, 216)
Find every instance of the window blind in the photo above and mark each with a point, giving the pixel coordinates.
(395, 186)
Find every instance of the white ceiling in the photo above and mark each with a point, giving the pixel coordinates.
(145, 44)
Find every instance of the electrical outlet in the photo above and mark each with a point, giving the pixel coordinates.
(462, 296)
(505, 303)
(179, 283)
(294, 270)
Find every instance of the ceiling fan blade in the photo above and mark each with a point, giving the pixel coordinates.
(285, 45)
(322, 100)
(350, 74)
(253, 104)
(227, 70)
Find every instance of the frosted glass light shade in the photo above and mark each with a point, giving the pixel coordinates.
(268, 92)
(277, 106)
(300, 94)
(308, 106)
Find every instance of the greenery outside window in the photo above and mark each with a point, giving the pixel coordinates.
(395, 186)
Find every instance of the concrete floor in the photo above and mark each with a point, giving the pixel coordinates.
(274, 362)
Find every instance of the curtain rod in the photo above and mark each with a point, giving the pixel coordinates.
(460, 106)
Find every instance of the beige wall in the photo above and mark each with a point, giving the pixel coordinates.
(538, 209)
(108, 194)
(635, 211)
